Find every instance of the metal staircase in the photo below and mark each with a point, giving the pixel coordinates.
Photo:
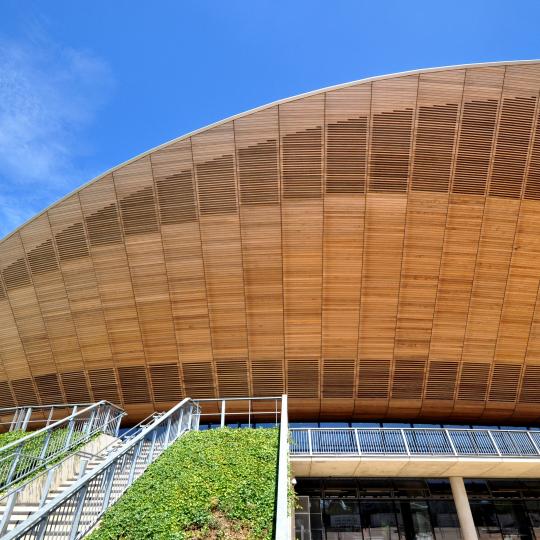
(75, 507)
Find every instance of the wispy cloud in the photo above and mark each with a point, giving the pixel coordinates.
(48, 95)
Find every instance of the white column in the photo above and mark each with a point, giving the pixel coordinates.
(468, 530)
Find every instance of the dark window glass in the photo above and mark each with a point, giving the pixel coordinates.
(485, 519)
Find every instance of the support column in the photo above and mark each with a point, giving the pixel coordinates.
(466, 522)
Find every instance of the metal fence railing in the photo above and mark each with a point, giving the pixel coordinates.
(415, 442)
(35, 417)
(23, 457)
(74, 512)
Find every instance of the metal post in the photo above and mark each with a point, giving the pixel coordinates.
(7, 512)
(223, 413)
(136, 453)
(532, 442)
(70, 428)
(14, 464)
(105, 426)
(50, 416)
(90, 423)
(493, 442)
(466, 522)
(310, 446)
(451, 442)
(44, 448)
(46, 487)
(405, 441)
(167, 433)
(357, 442)
(27, 419)
(108, 488)
(78, 513)
(152, 446)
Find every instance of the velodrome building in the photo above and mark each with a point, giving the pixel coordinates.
(372, 250)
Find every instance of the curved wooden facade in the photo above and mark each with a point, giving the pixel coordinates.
(373, 250)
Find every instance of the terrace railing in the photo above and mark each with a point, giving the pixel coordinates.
(35, 417)
(414, 442)
(23, 457)
(77, 510)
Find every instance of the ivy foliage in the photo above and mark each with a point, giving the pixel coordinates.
(210, 484)
(10, 436)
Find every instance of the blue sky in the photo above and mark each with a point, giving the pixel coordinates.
(87, 84)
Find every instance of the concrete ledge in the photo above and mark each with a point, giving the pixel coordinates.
(417, 466)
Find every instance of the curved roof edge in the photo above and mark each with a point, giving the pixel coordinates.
(260, 108)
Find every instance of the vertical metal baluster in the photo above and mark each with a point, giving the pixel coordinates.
(10, 504)
(223, 413)
(70, 429)
(532, 441)
(451, 442)
(46, 487)
(357, 442)
(310, 445)
(27, 419)
(136, 453)
(493, 442)
(78, 512)
(405, 441)
(109, 485)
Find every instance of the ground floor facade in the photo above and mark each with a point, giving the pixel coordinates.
(414, 509)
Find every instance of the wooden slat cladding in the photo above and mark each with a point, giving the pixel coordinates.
(199, 380)
(408, 379)
(71, 242)
(531, 383)
(473, 381)
(166, 382)
(134, 384)
(372, 250)
(504, 382)
(6, 397)
(390, 151)
(303, 379)
(215, 179)
(139, 212)
(441, 380)
(75, 387)
(258, 173)
(532, 188)
(24, 392)
(49, 389)
(434, 145)
(176, 198)
(302, 164)
(104, 226)
(338, 378)
(42, 258)
(232, 378)
(373, 379)
(346, 155)
(104, 385)
(267, 377)
(16, 274)
(512, 147)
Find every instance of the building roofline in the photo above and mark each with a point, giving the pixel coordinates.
(258, 109)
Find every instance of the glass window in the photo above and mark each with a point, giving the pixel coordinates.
(379, 521)
(513, 520)
(342, 516)
(485, 519)
(444, 520)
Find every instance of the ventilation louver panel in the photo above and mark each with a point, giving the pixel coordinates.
(166, 382)
(134, 384)
(474, 150)
(6, 397)
(71, 243)
(303, 379)
(390, 149)
(75, 387)
(42, 258)
(216, 186)
(176, 198)
(504, 382)
(104, 226)
(373, 379)
(258, 173)
(532, 189)
(267, 377)
(408, 379)
(434, 148)
(473, 381)
(49, 389)
(139, 212)
(232, 378)
(441, 380)
(24, 392)
(199, 380)
(530, 391)
(512, 147)
(346, 156)
(16, 275)
(338, 378)
(104, 386)
(302, 164)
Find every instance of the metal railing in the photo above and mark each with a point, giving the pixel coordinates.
(25, 456)
(282, 525)
(76, 511)
(415, 442)
(35, 416)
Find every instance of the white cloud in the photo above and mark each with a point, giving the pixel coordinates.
(48, 95)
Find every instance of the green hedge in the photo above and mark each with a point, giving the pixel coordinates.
(210, 484)
(10, 436)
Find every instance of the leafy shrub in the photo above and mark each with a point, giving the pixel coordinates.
(10, 436)
(210, 484)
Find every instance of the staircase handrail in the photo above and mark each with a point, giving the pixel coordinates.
(73, 499)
